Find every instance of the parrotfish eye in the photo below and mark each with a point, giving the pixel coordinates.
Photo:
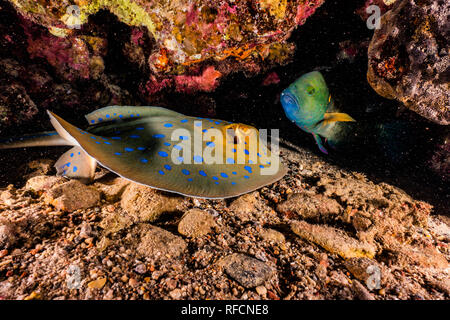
(310, 90)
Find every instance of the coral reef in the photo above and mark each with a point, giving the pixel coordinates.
(183, 44)
(409, 57)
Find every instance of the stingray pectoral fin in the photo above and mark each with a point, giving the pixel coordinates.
(337, 116)
(76, 164)
(319, 143)
(114, 113)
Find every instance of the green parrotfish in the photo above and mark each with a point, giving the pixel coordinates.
(158, 147)
(308, 103)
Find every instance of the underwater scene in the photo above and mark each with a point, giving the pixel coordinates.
(224, 150)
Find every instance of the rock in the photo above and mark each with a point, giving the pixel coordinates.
(245, 204)
(196, 223)
(112, 188)
(38, 167)
(261, 290)
(167, 38)
(309, 206)
(427, 257)
(44, 183)
(409, 58)
(367, 270)
(361, 292)
(333, 240)
(7, 236)
(272, 235)
(145, 204)
(175, 294)
(248, 271)
(72, 195)
(156, 242)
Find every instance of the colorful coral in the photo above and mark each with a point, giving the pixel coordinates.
(186, 38)
(409, 58)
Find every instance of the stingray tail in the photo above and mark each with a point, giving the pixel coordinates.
(42, 139)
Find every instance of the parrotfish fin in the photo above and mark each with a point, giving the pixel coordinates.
(76, 164)
(335, 117)
(42, 139)
(319, 143)
(114, 113)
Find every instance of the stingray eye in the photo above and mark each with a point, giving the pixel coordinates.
(310, 90)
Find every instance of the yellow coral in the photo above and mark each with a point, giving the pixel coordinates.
(277, 8)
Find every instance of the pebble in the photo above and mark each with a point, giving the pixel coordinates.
(97, 284)
(272, 235)
(248, 271)
(175, 294)
(261, 290)
(44, 183)
(309, 206)
(111, 189)
(196, 223)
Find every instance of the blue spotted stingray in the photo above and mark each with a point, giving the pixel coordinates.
(138, 144)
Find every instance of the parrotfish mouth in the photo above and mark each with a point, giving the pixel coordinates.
(163, 149)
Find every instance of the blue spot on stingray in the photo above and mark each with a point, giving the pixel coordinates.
(134, 136)
(75, 169)
(107, 116)
(139, 128)
(168, 125)
(144, 160)
(202, 173)
(184, 138)
(215, 178)
(79, 153)
(93, 137)
(100, 119)
(246, 177)
(121, 116)
(234, 172)
(131, 115)
(138, 115)
(92, 121)
(217, 122)
(115, 114)
(167, 144)
(97, 142)
(158, 136)
(186, 172)
(233, 183)
(259, 155)
(230, 161)
(141, 148)
(71, 155)
(268, 162)
(118, 154)
(234, 150)
(190, 180)
(129, 149)
(246, 151)
(198, 159)
(205, 130)
(216, 182)
(184, 120)
(167, 167)
(210, 120)
(249, 169)
(178, 147)
(161, 172)
(116, 138)
(163, 154)
(210, 144)
(224, 175)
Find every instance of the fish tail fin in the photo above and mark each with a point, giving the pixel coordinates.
(76, 164)
(42, 139)
(330, 117)
(319, 143)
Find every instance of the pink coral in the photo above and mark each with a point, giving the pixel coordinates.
(306, 9)
(206, 82)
